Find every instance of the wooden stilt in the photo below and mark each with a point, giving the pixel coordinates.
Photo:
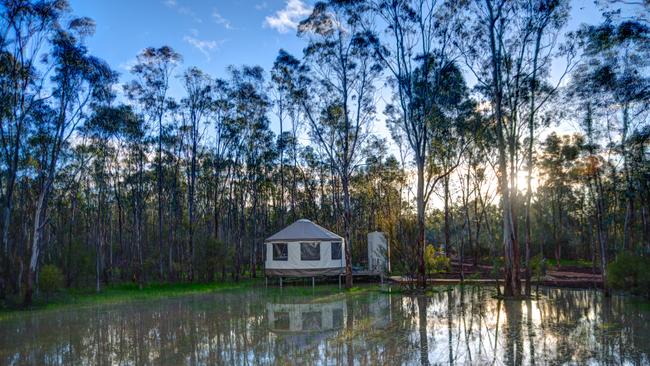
(312, 283)
(280, 282)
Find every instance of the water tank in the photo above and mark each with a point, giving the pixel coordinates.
(378, 254)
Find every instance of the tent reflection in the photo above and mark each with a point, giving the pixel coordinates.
(305, 318)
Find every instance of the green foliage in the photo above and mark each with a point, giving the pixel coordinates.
(50, 279)
(581, 263)
(538, 266)
(435, 260)
(212, 257)
(497, 265)
(630, 272)
(79, 262)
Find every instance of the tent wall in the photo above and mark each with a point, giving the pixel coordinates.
(294, 266)
(306, 317)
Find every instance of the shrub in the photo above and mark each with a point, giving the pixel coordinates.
(538, 266)
(50, 279)
(630, 272)
(497, 266)
(435, 260)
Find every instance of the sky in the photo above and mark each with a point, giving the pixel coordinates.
(210, 34)
(213, 34)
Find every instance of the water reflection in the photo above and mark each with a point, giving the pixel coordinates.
(267, 327)
(307, 317)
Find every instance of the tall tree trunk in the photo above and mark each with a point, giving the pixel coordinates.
(347, 223)
(39, 218)
(628, 223)
(531, 137)
(254, 238)
(422, 276)
(191, 202)
(447, 218)
(511, 250)
(160, 205)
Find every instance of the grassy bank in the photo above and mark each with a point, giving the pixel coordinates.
(121, 293)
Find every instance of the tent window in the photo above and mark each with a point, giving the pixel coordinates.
(280, 252)
(310, 251)
(312, 320)
(336, 250)
(337, 318)
(281, 320)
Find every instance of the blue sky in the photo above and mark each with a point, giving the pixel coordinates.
(209, 34)
(212, 34)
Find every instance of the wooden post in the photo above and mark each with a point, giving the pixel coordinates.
(280, 281)
(266, 281)
(339, 282)
(312, 283)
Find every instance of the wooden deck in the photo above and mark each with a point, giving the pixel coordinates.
(586, 282)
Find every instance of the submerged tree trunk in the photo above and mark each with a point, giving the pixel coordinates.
(511, 250)
(529, 177)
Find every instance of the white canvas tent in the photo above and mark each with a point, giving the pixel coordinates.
(304, 249)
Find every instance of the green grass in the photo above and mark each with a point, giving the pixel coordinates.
(581, 263)
(122, 293)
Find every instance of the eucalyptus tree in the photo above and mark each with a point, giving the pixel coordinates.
(197, 105)
(225, 132)
(79, 82)
(25, 28)
(283, 109)
(99, 130)
(135, 182)
(419, 56)
(556, 165)
(490, 23)
(102, 137)
(609, 91)
(509, 74)
(149, 89)
(250, 108)
(547, 19)
(617, 69)
(337, 93)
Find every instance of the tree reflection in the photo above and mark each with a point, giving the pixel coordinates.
(514, 341)
(459, 326)
(422, 322)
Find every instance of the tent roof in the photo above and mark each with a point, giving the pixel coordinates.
(303, 229)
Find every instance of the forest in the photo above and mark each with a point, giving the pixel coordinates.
(513, 141)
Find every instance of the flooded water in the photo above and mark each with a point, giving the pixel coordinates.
(294, 326)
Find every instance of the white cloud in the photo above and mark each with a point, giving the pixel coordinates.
(190, 13)
(183, 10)
(219, 19)
(128, 64)
(203, 45)
(288, 18)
